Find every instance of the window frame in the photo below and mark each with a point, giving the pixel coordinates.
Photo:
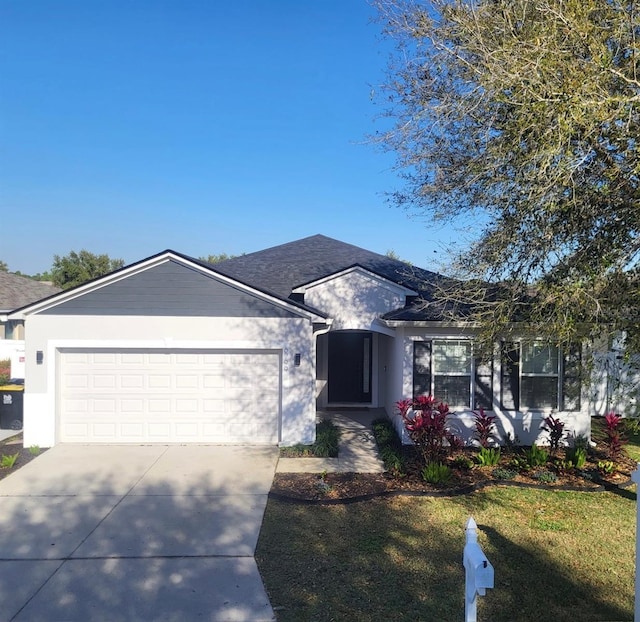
(567, 373)
(479, 374)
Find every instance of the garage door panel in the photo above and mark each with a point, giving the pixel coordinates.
(173, 396)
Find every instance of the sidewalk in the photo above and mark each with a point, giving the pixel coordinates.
(357, 450)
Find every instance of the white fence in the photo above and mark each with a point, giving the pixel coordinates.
(13, 349)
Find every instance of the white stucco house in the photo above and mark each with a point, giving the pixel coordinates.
(171, 349)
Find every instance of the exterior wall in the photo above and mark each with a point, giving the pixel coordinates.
(523, 424)
(615, 380)
(355, 300)
(48, 334)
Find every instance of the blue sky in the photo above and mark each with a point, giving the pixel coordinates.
(128, 127)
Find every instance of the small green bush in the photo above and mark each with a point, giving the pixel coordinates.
(326, 445)
(488, 456)
(34, 450)
(389, 446)
(7, 461)
(436, 473)
(545, 477)
(577, 456)
(502, 473)
(606, 467)
(393, 460)
(536, 456)
(327, 438)
(463, 463)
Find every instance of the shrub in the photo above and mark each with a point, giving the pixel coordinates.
(425, 419)
(436, 473)
(488, 456)
(577, 456)
(511, 443)
(555, 428)
(393, 460)
(545, 477)
(632, 425)
(606, 467)
(7, 461)
(327, 438)
(462, 462)
(519, 462)
(326, 445)
(389, 446)
(485, 427)
(502, 473)
(536, 456)
(615, 441)
(5, 371)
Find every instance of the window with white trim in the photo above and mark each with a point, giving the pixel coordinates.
(540, 376)
(448, 370)
(452, 372)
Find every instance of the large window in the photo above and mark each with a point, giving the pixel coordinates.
(539, 376)
(448, 370)
(452, 372)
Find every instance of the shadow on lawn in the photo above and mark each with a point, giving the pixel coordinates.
(510, 600)
(401, 559)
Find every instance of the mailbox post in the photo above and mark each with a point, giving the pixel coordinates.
(635, 477)
(478, 575)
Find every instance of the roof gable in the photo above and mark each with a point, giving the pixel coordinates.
(166, 284)
(355, 298)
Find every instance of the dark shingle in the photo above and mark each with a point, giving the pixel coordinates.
(17, 291)
(281, 269)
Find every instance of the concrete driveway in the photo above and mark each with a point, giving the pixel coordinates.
(135, 533)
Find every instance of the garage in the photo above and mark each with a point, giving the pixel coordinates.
(169, 396)
(168, 350)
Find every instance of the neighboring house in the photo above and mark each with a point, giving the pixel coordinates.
(17, 291)
(171, 349)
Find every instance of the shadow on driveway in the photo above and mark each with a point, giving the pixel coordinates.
(144, 532)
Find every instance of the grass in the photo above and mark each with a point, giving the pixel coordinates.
(557, 555)
(326, 445)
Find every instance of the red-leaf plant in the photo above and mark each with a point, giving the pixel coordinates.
(425, 420)
(555, 428)
(484, 427)
(615, 440)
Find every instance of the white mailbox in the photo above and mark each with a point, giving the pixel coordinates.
(478, 571)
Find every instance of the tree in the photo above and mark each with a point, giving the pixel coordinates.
(525, 115)
(77, 268)
(4, 267)
(217, 258)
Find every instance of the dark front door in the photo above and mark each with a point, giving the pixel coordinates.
(350, 367)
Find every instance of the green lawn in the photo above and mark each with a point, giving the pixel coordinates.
(557, 556)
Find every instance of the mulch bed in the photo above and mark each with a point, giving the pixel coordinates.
(12, 446)
(333, 488)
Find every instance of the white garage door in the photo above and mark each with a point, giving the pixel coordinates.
(123, 396)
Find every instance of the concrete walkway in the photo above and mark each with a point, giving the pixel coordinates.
(135, 533)
(357, 451)
(5, 434)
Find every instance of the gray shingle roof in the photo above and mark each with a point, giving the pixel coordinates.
(17, 291)
(281, 269)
